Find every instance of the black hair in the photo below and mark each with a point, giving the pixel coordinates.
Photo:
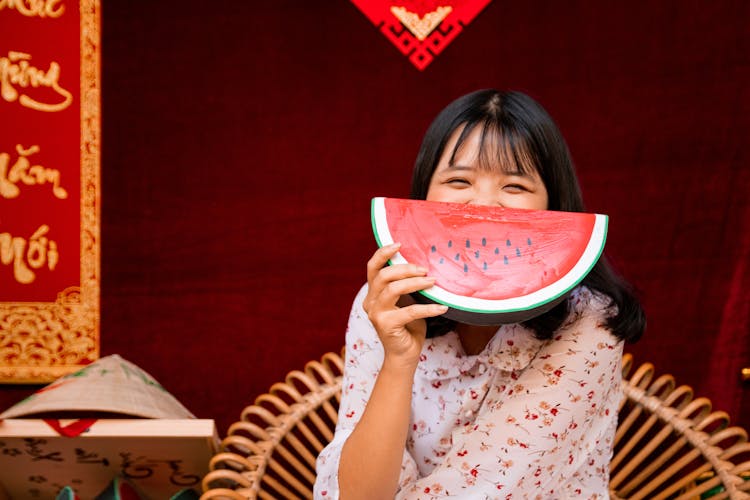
(517, 129)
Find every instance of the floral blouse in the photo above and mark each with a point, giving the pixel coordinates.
(525, 418)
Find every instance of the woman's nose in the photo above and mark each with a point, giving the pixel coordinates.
(486, 199)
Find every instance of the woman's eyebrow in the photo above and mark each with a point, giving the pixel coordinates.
(514, 172)
(460, 167)
(518, 173)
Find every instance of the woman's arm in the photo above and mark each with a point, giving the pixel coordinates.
(379, 373)
(371, 458)
(363, 362)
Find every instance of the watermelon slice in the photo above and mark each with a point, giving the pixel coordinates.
(492, 264)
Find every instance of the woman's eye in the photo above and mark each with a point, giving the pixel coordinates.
(515, 188)
(458, 182)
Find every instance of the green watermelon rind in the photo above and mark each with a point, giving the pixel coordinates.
(534, 300)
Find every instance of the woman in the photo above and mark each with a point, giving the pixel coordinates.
(431, 408)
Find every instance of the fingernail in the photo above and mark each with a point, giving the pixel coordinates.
(422, 270)
(394, 245)
(441, 308)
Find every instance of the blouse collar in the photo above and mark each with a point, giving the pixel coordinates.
(511, 349)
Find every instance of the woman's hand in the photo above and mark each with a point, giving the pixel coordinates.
(401, 329)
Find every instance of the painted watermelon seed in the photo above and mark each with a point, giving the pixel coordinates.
(468, 244)
(484, 266)
(450, 243)
(484, 242)
(528, 241)
(518, 252)
(433, 249)
(497, 251)
(507, 243)
(505, 259)
(442, 260)
(457, 256)
(466, 268)
(476, 254)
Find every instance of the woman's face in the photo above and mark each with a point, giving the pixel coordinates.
(468, 181)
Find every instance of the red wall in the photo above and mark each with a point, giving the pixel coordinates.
(242, 142)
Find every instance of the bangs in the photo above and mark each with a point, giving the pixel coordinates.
(501, 149)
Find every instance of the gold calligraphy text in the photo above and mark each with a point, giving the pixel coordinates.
(15, 70)
(31, 8)
(24, 255)
(23, 171)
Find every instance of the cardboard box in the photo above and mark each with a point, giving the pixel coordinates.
(107, 420)
(159, 457)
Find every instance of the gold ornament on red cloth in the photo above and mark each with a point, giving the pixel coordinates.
(421, 29)
(50, 188)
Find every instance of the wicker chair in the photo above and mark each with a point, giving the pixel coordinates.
(668, 444)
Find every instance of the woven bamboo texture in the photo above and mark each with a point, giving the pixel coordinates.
(668, 445)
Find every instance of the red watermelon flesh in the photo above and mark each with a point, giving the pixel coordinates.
(492, 260)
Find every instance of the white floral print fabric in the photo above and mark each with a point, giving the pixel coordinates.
(524, 419)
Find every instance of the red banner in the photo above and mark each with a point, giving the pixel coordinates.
(49, 187)
(421, 29)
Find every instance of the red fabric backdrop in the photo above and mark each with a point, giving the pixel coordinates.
(242, 143)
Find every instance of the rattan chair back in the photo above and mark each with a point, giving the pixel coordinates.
(669, 444)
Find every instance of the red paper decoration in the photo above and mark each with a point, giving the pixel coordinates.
(421, 29)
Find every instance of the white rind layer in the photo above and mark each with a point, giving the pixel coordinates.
(526, 302)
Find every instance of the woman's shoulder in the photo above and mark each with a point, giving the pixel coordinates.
(589, 312)
(584, 300)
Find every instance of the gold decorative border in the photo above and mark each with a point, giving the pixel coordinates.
(50, 339)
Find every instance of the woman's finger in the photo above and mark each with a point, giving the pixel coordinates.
(386, 297)
(391, 292)
(394, 273)
(379, 259)
(398, 318)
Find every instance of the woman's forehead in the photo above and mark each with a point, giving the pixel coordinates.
(487, 147)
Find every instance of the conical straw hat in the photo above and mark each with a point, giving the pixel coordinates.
(111, 384)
